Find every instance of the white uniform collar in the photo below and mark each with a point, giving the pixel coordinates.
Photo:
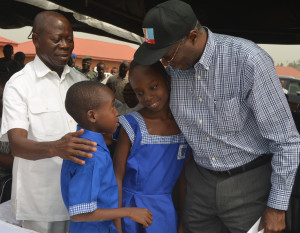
(41, 69)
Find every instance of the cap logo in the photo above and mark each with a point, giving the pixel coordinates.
(149, 35)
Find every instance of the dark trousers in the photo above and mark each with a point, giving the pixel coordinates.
(216, 204)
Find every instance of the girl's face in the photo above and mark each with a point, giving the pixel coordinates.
(150, 88)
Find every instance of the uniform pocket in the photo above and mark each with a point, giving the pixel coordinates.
(45, 117)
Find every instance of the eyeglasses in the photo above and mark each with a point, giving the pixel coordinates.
(168, 61)
(30, 35)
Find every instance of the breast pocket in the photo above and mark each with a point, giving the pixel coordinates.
(227, 116)
(45, 118)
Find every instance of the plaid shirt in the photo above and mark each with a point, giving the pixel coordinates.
(231, 108)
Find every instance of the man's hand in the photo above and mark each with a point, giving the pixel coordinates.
(272, 221)
(70, 146)
(141, 215)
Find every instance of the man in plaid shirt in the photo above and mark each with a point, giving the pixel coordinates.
(228, 102)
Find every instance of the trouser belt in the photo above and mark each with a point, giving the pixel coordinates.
(261, 160)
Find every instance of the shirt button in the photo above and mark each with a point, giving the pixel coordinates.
(71, 121)
(198, 77)
(213, 158)
(47, 108)
(200, 99)
(200, 121)
(207, 139)
(207, 68)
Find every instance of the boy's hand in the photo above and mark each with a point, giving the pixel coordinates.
(70, 146)
(141, 215)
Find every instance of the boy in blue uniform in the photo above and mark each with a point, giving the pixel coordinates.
(90, 191)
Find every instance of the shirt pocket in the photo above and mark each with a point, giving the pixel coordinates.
(227, 116)
(45, 118)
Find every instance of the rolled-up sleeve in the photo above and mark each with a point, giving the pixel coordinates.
(15, 109)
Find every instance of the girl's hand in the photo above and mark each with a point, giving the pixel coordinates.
(141, 215)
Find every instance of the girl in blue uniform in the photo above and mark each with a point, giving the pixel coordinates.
(90, 191)
(150, 153)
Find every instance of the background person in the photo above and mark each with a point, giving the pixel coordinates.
(101, 76)
(117, 82)
(114, 71)
(228, 102)
(86, 65)
(38, 127)
(8, 51)
(16, 64)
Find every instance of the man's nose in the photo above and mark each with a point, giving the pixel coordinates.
(64, 44)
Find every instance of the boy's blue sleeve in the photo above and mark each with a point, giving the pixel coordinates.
(84, 188)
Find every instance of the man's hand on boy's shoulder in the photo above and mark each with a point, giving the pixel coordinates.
(70, 146)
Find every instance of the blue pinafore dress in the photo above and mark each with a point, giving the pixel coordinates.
(153, 167)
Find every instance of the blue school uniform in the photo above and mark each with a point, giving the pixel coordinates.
(87, 187)
(153, 167)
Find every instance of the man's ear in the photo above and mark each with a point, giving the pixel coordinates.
(193, 36)
(35, 40)
(91, 116)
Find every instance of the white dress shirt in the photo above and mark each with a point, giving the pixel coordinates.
(33, 100)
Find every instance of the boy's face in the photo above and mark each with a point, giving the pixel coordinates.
(106, 115)
(150, 88)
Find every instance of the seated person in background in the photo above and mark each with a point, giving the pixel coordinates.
(6, 162)
(86, 64)
(132, 103)
(90, 192)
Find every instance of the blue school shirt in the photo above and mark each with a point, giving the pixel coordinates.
(90, 186)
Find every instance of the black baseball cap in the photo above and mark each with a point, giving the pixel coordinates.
(163, 26)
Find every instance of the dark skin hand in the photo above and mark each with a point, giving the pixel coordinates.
(68, 147)
(272, 221)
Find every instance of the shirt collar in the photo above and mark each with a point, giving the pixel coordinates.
(41, 69)
(93, 136)
(206, 58)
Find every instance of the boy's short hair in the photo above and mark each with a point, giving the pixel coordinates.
(157, 66)
(82, 97)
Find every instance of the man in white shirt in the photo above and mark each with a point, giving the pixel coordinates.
(40, 131)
